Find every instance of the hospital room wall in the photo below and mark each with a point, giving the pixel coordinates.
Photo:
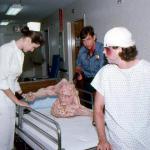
(105, 14)
(7, 34)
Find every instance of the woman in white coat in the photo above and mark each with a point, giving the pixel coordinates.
(11, 62)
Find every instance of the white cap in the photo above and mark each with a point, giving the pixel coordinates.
(34, 26)
(118, 36)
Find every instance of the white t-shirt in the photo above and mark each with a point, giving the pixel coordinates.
(127, 104)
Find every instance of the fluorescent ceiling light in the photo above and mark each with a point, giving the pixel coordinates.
(34, 26)
(4, 23)
(14, 9)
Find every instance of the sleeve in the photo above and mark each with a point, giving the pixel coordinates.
(5, 60)
(99, 82)
(78, 62)
(17, 86)
(101, 55)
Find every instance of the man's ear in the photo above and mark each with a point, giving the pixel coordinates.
(94, 37)
(119, 49)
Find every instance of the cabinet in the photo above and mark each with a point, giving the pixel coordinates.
(33, 86)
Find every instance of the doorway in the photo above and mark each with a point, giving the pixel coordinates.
(76, 27)
(74, 44)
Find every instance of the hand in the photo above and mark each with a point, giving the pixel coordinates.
(22, 103)
(80, 77)
(19, 92)
(104, 146)
(29, 96)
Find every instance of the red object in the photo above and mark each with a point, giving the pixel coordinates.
(93, 49)
(61, 19)
(108, 51)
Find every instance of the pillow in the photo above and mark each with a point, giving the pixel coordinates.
(45, 102)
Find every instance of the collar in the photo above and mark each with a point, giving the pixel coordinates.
(92, 50)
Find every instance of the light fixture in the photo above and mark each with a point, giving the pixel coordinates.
(4, 23)
(34, 26)
(119, 1)
(14, 9)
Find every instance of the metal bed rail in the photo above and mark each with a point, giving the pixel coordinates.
(41, 146)
(86, 96)
(40, 118)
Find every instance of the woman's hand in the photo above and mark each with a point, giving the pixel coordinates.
(22, 103)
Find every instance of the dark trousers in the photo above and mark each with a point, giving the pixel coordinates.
(87, 85)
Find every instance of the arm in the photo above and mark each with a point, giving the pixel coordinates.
(78, 73)
(79, 69)
(83, 111)
(102, 56)
(10, 94)
(100, 122)
(48, 91)
(79, 61)
(51, 90)
(5, 63)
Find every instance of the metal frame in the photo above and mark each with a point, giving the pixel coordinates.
(91, 97)
(40, 118)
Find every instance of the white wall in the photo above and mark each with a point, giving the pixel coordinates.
(53, 29)
(105, 14)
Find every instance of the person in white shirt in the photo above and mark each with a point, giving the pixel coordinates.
(11, 62)
(122, 101)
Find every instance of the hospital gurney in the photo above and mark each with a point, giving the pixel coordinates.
(40, 130)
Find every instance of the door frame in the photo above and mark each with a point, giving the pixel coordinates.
(71, 44)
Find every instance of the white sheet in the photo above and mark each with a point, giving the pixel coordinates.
(78, 133)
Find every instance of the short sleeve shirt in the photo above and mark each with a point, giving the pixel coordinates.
(127, 104)
(91, 64)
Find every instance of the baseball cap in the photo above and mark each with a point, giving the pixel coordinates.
(118, 36)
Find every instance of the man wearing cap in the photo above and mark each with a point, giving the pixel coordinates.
(123, 88)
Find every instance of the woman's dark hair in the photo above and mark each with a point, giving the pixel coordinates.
(88, 30)
(129, 53)
(36, 37)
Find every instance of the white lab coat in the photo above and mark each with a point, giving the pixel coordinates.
(11, 62)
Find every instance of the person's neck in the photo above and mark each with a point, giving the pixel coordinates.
(127, 65)
(19, 43)
(91, 51)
